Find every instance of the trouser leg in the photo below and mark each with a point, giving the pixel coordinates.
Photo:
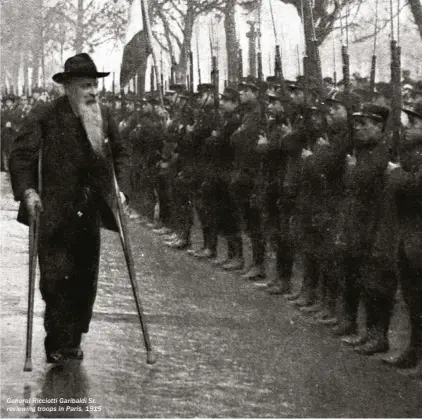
(69, 260)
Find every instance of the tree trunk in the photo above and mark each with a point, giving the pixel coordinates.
(141, 79)
(232, 46)
(79, 41)
(35, 72)
(182, 67)
(25, 73)
(416, 8)
(312, 52)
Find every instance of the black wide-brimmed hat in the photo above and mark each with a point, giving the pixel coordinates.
(80, 65)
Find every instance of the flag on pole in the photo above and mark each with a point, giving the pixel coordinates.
(136, 51)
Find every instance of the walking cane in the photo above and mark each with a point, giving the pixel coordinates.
(34, 232)
(33, 253)
(127, 250)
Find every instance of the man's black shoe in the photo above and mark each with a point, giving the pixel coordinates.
(74, 353)
(56, 357)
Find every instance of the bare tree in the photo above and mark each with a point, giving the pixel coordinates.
(174, 27)
(91, 23)
(416, 8)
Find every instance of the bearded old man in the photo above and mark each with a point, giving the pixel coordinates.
(79, 142)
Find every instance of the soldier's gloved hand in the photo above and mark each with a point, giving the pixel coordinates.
(8, 124)
(33, 202)
(322, 141)
(189, 128)
(122, 197)
(306, 153)
(286, 129)
(351, 160)
(392, 166)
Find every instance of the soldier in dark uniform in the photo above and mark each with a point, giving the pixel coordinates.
(364, 181)
(290, 140)
(77, 136)
(322, 192)
(245, 186)
(154, 163)
(182, 204)
(9, 125)
(205, 203)
(274, 169)
(220, 166)
(404, 186)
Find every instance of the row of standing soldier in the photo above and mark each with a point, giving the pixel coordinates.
(279, 164)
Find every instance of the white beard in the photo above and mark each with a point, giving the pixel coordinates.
(92, 121)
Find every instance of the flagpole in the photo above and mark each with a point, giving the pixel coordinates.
(144, 7)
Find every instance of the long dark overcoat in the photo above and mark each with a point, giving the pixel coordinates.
(77, 196)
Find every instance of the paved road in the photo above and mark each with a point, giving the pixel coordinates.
(225, 349)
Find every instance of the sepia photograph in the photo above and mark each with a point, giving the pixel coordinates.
(211, 208)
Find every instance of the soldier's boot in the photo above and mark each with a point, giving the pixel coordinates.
(220, 261)
(355, 340)
(293, 296)
(346, 327)
(237, 262)
(280, 287)
(377, 343)
(309, 283)
(180, 244)
(205, 254)
(230, 254)
(412, 356)
(307, 298)
(327, 317)
(254, 272)
(282, 284)
(193, 251)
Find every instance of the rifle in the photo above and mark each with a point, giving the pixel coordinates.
(215, 82)
(374, 57)
(197, 59)
(152, 79)
(173, 71)
(191, 72)
(396, 98)
(113, 90)
(240, 65)
(346, 79)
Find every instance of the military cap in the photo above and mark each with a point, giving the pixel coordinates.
(9, 97)
(205, 87)
(250, 82)
(230, 93)
(185, 95)
(291, 84)
(278, 95)
(272, 81)
(415, 112)
(130, 97)
(383, 89)
(341, 98)
(153, 97)
(375, 112)
(418, 88)
(177, 87)
(37, 90)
